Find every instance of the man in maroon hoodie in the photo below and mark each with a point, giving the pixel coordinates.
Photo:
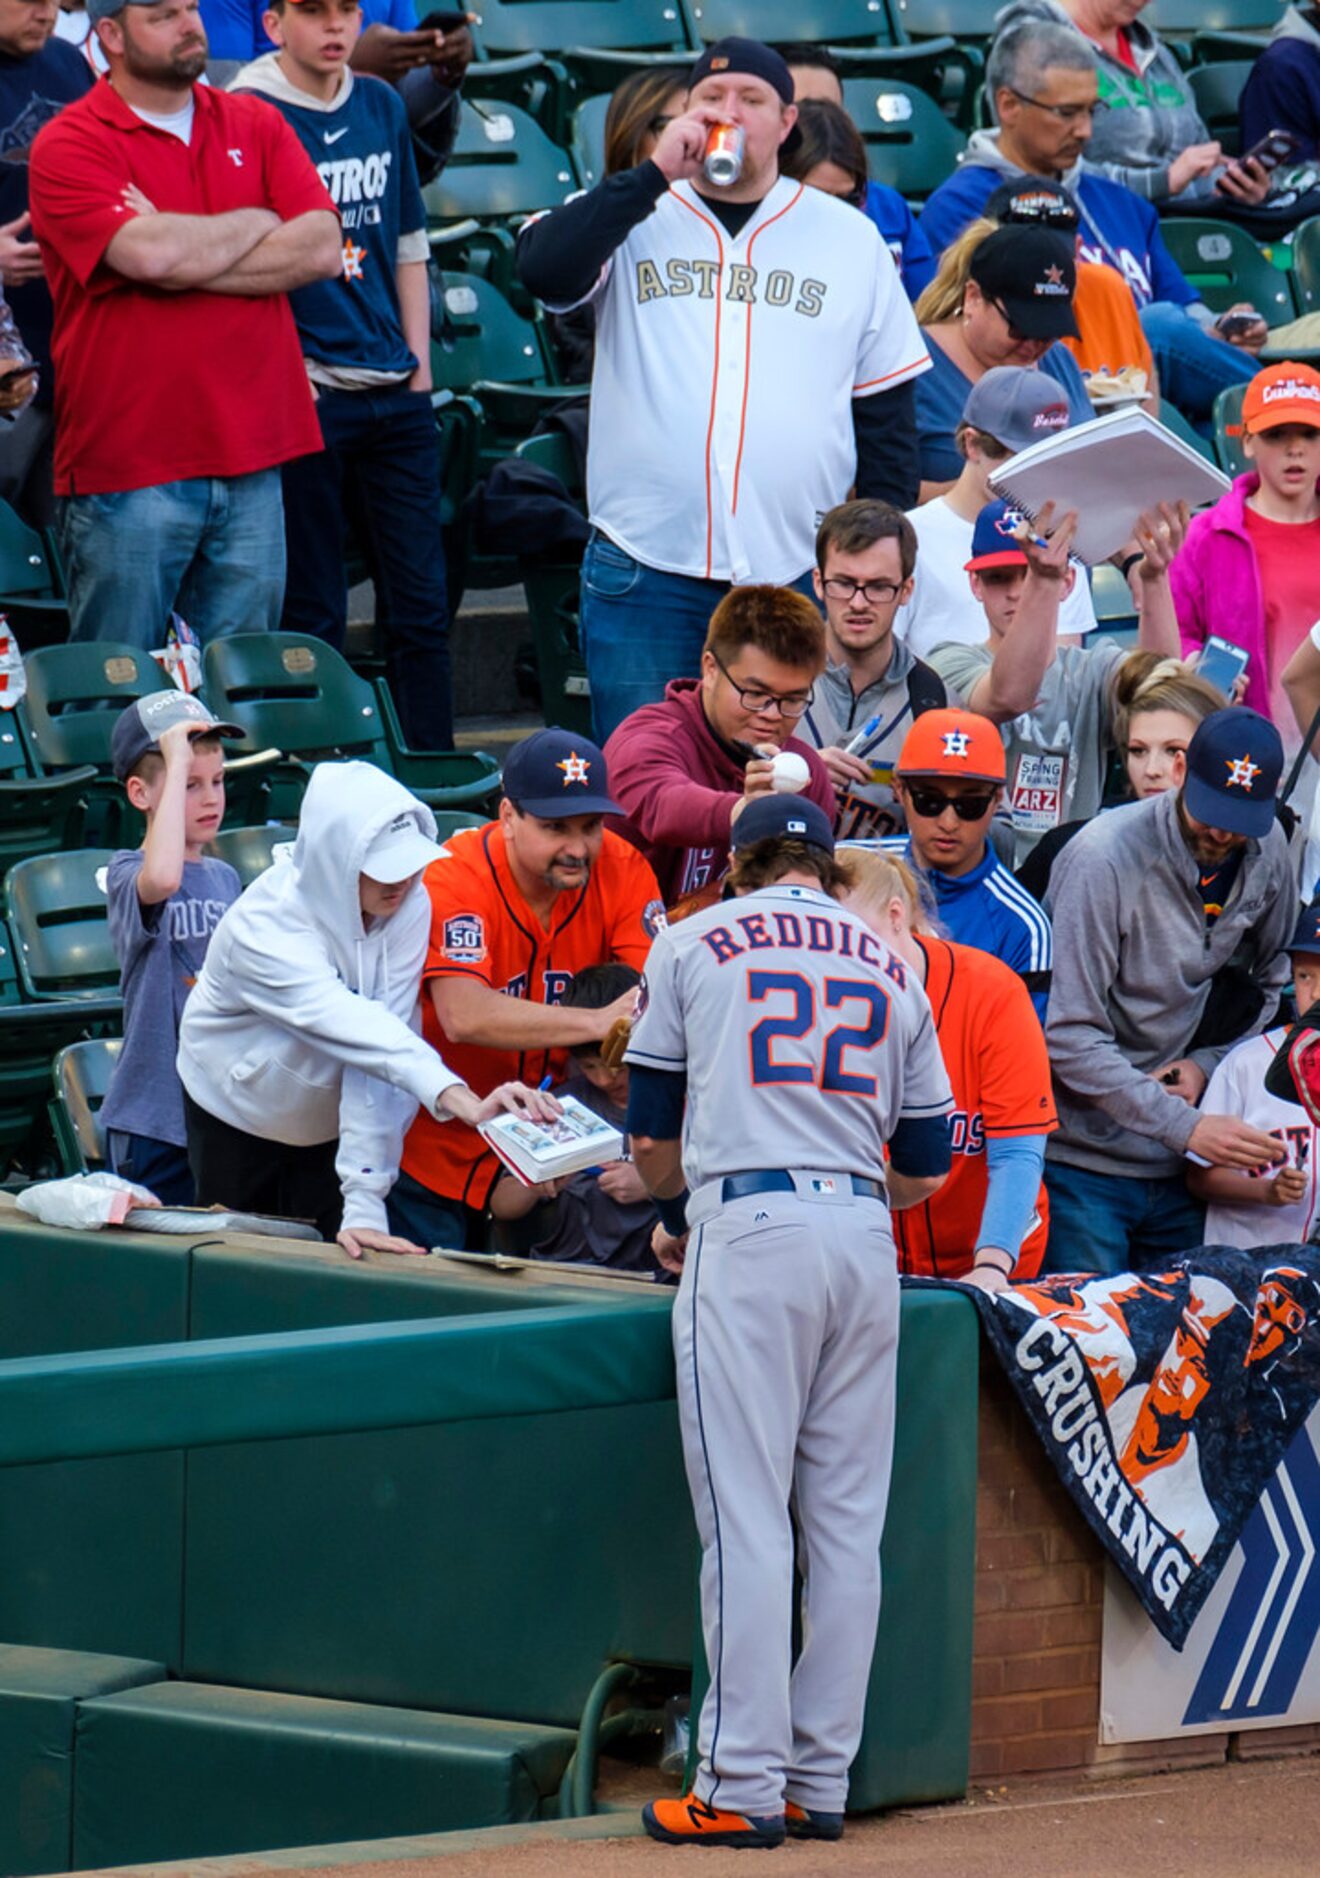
(684, 770)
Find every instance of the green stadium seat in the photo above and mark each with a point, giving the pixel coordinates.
(56, 908)
(1225, 265)
(809, 22)
(452, 821)
(533, 81)
(473, 247)
(610, 25)
(588, 138)
(74, 695)
(1228, 431)
(81, 1074)
(1306, 265)
(38, 814)
(960, 19)
(30, 1036)
(1196, 17)
(1114, 610)
(482, 345)
(32, 595)
(1217, 89)
(467, 780)
(552, 586)
(250, 851)
(1172, 419)
(503, 165)
(910, 144)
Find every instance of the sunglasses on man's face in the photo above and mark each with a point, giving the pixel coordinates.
(930, 803)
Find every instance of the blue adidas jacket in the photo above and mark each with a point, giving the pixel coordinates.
(1118, 227)
(987, 908)
(363, 154)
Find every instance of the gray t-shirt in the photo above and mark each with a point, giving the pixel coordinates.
(160, 951)
(1057, 754)
(837, 713)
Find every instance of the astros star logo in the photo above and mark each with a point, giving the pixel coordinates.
(574, 767)
(1242, 772)
(956, 742)
(353, 259)
(1054, 275)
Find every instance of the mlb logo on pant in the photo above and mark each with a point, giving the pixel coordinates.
(822, 1183)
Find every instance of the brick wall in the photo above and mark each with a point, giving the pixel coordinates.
(1039, 1608)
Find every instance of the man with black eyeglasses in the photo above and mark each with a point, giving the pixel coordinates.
(683, 770)
(1042, 79)
(950, 781)
(872, 687)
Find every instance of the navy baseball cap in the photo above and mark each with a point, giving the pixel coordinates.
(1016, 406)
(783, 818)
(141, 725)
(553, 773)
(1234, 762)
(744, 55)
(1306, 933)
(994, 539)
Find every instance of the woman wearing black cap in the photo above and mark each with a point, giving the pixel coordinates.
(1003, 296)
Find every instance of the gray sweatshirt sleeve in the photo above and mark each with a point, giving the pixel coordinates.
(1084, 903)
(1268, 963)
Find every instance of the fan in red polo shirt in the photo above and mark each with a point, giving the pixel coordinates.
(518, 908)
(174, 220)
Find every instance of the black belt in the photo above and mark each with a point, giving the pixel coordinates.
(779, 1180)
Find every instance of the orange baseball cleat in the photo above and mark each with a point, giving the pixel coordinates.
(690, 1821)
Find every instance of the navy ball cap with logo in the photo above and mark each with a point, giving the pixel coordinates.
(554, 773)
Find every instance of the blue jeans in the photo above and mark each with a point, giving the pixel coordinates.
(641, 627)
(210, 548)
(380, 469)
(158, 1166)
(429, 1219)
(1110, 1223)
(1193, 366)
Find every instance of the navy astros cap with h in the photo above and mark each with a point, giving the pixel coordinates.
(782, 818)
(554, 773)
(1234, 762)
(1306, 933)
(747, 56)
(141, 725)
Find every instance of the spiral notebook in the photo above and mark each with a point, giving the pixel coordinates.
(1109, 470)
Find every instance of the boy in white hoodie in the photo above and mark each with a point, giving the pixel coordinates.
(298, 1051)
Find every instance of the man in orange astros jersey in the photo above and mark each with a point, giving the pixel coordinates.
(518, 908)
(990, 1220)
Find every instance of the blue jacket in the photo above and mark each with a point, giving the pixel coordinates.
(363, 154)
(1118, 227)
(234, 29)
(904, 237)
(1283, 89)
(986, 908)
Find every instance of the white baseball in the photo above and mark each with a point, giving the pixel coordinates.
(789, 773)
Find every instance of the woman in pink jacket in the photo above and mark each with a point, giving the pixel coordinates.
(1250, 567)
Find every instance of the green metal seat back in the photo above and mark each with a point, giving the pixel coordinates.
(1112, 599)
(552, 451)
(589, 138)
(13, 751)
(1228, 430)
(480, 336)
(821, 22)
(1224, 264)
(56, 907)
(74, 695)
(294, 693)
(551, 25)
(250, 851)
(1217, 90)
(1306, 265)
(24, 563)
(82, 1075)
(1172, 17)
(1172, 419)
(451, 821)
(961, 19)
(502, 165)
(910, 144)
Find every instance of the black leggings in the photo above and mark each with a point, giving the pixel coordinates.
(250, 1174)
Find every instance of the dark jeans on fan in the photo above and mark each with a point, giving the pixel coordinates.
(249, 1174)
(379, 471)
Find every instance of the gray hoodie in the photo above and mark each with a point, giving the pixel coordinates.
(1147, 117)
(1133, 960)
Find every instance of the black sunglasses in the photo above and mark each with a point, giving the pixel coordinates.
(929, 803)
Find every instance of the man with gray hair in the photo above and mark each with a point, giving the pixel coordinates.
(1041, 78)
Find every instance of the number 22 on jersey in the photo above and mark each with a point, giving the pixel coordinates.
(791, 1017)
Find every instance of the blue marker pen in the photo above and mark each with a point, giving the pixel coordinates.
(855, 743)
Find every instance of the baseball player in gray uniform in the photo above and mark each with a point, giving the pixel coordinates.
(786, 1045)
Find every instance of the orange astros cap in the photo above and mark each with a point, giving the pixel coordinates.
(952, 743)
(1285, 394)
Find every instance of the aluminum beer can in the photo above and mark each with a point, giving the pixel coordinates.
(724, 155)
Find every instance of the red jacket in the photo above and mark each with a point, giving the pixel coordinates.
(677, 785)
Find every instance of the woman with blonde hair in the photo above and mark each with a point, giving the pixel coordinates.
(989, 1221)
(1001, 296)
(1157, 704)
